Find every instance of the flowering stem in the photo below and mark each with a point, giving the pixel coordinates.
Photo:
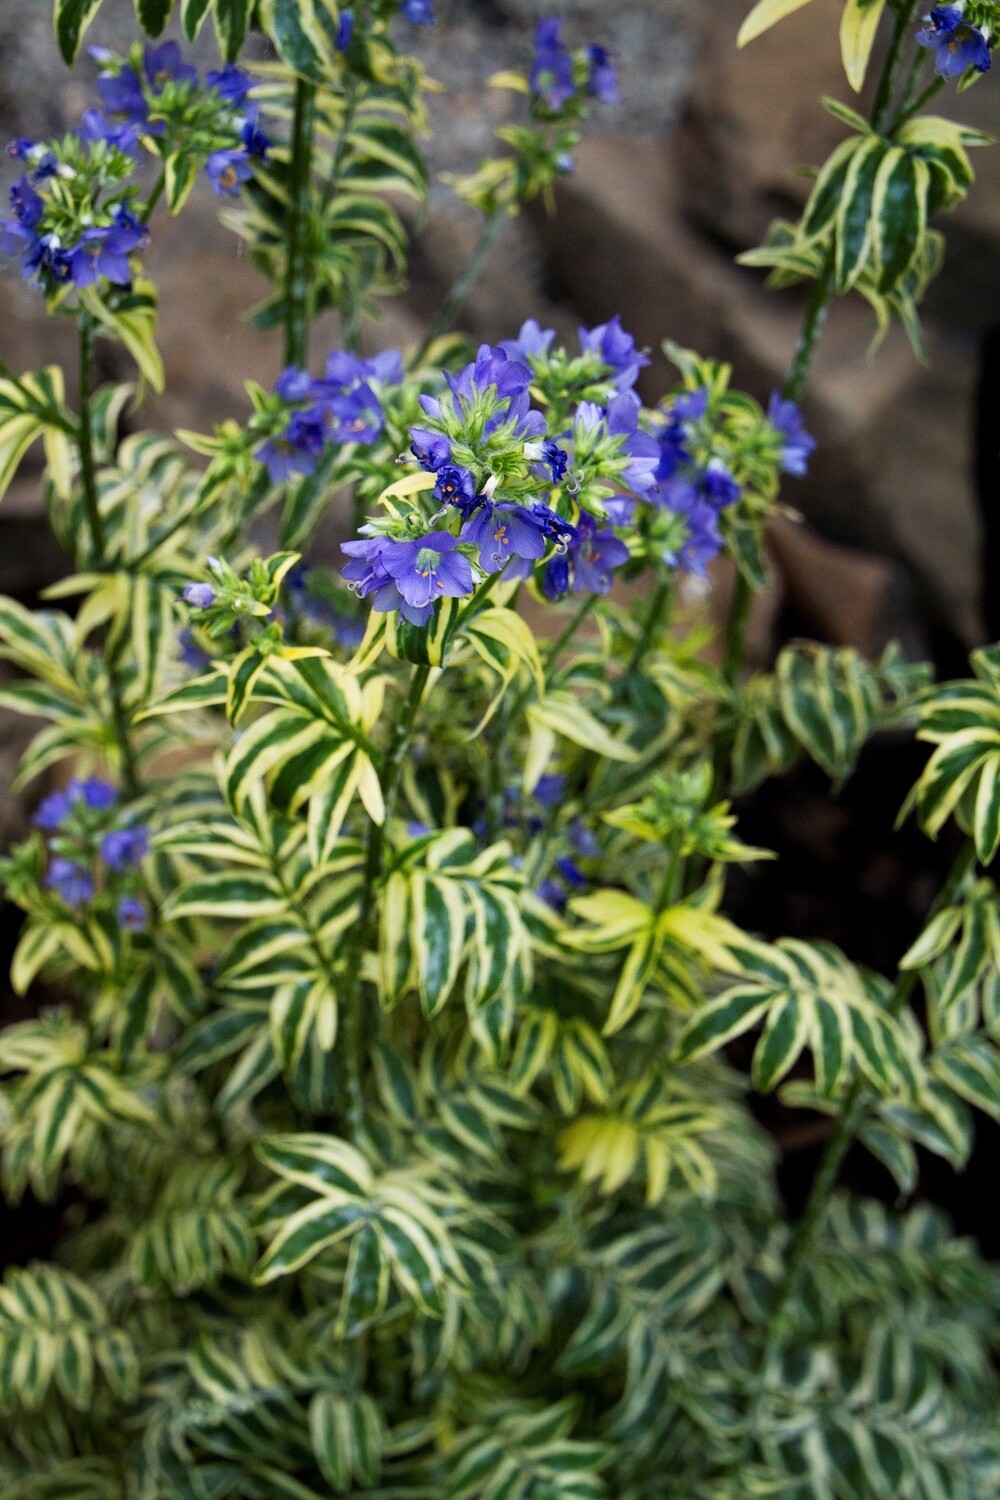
(88, 472)
(845, 1131)
(464, 284)
(351, 1038)
(296, 258)
(908, 110)
(145, 213)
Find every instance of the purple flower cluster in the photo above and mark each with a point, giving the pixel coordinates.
(956, 45)
(343, 406)
(553, 77)
(100, 251)
(74, 816)
(409, 575)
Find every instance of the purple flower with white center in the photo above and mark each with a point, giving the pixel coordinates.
(533, 339)
(231, 83)
(53, 811)
(786, 417)
(293, 384)
(96, 126)
(47, 257)
(428, 568)
(551, 76)
(296, 449)
(418, 12)
(354, 418)
(642, 450)
(121, 94)
(432, 450)
(556, 459)
(603, 81)
(70, 881)
(131, 913)
(956, 46)
(503, 533)
(124, 847)
(228, 169)
(365, 574)
(595, 552)
(198, 595)
(165, 64)
(455, 486)
(617, 349)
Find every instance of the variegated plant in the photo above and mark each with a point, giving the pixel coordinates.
(387, 973)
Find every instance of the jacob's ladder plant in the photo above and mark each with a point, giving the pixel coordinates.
(394, 984)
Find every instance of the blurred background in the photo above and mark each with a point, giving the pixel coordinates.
(896, 525)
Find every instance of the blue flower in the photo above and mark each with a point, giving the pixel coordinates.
(640, 449)
(617, 349)
(47, 165)
(132, 914)
(345, 30)
(98, 795)
(553, 894)
(455, 486)
(190, 653)
(595, 552)
(198, 595)
(550, 790)
(53, 810)
(603, 81)
(293, 384)
(121, 94)
(569, 871)
(105, 252)
(787, 419)
(96, 126)
(47, 257)
(552, 525)
(70, 881)
(256, 142)
(718, 485)
(956, 46)
(352, 418)
(124, 847)
(231, 83)
(28, 205)
(418, 12)
(690, 406)
(504, 533)
(533, 339)
(494, 367)
(296, 450)
(21, 148)
(583, 840)
(556, 458)
(228, 169)
(432, 450)
(428, 568)
(165, 64)
(551, 76)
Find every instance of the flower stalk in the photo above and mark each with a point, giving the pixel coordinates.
(296, 248)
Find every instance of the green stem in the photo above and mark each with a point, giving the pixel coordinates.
(351, 1035)
(908, 110)
(900, 32)
(812, 327)
(88, 468)
(562, 640)
(463, 285)
(845, 1131)
(659, 607)
(296, 250)
(145, 213)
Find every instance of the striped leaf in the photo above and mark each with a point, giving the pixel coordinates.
(764, 15)
(858, 26)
